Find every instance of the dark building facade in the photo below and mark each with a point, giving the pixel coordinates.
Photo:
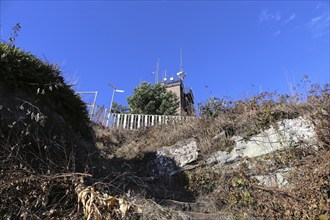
(185, 95)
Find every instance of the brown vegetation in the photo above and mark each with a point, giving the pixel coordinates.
(235, 188)
(53, 165)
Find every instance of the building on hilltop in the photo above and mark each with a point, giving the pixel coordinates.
(185, 95)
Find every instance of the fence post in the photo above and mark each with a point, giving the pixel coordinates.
(138, 122)
(115, 119)
(132, 120)
(94, 103)
(104, 117)
(125, 118)
(118, 120)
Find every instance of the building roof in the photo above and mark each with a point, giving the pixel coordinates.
(173, 82)
(187, 91)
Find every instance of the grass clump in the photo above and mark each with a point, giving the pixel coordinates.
(45, 138)
(43, 83)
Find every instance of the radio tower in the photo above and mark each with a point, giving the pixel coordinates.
(181, 74)
(157, 72)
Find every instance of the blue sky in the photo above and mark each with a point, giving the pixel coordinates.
(230, 48)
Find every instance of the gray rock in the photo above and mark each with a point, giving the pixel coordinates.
(169, 160)
(222, 157)
(289, 133)
(277, 179)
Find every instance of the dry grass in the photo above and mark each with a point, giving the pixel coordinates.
(235, 189)
(97, 205)
(49, 164)
(242, 117)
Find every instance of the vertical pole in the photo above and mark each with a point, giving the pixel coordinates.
(181, 69)
(125, 118)
(104, 117)
(113, 96)
(132, 121)
(93, 107)
(115, 119)
(118, 120)
(138, 122)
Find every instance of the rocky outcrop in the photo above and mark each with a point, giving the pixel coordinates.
(277, 179)
(287, 133)
(169, 160)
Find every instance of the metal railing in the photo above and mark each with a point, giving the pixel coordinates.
(91, 106)
(101, 115)
(136, 121)
(132, 121)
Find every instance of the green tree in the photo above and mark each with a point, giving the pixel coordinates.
(118, 108)
(213, 107)
(153, 99)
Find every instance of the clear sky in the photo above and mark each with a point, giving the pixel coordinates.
(230, 48)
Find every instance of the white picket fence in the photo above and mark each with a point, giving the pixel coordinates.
(132, 121)
(136, 121)
(101, 115)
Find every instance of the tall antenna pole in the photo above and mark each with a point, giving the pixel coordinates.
(181, 74)
(164, 75)
(157, 72)
(181, 69)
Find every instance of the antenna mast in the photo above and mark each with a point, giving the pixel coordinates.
(157, 72)
(181, 69)
(164, 76)
(181, 74)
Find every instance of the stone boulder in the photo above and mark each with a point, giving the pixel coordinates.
(171, 159)
(277, 179)
(287, 133)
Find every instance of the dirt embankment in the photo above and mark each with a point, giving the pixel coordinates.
(54, 165)
(45, 137)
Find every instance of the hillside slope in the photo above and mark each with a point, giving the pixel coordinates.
(265, 157)
(44, 136)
